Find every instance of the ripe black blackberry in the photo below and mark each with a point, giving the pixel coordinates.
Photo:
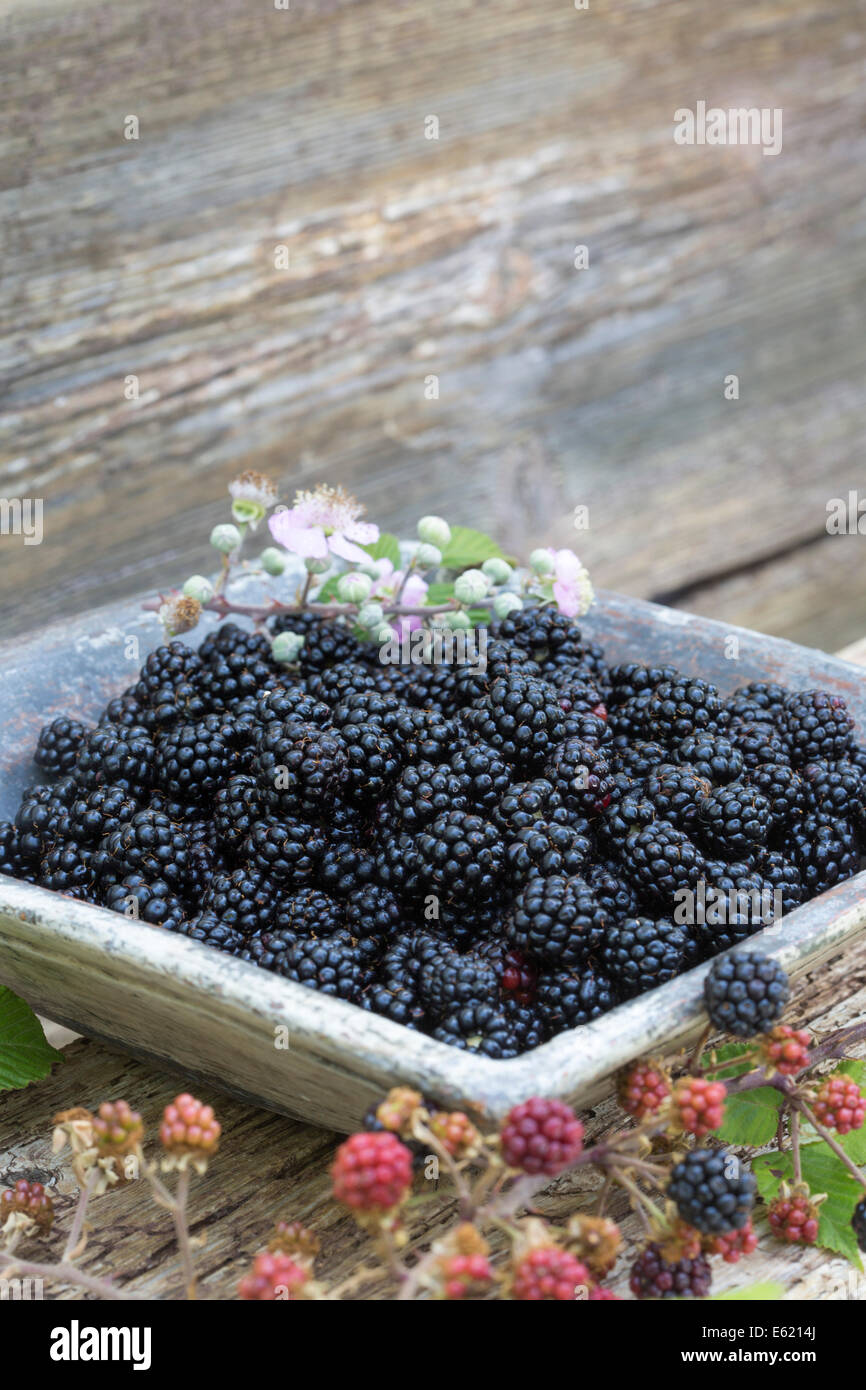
(144, 899)
(758, 742)
(758, 700)
(98, 812)
(745, 906)
(615, 894)
(678, 793)
(346, 866)
(168, 684)
(39, 822)
(631, 679)
(557, 920)
(394, 1000)
(483, 775)
(326, 641)
(711, 755)
(236, 808)
(735, 820)
(116, 756)
(12, 861)
(149, 844)
(784, 790)
(577, 695)
(629, 810)
(460, 858)
(300, 768)
(193, 760)
(471, 684)
(424, 791)
(546, 848)
(835, 789)
(652, 1276)
(308, 912)
(660, 861)
(233, 676)
(825, 850)
(331, 964)
(450, 980)
(395, 990)
(712, 1191)
(818, 725)
(639, 953)
(491, 1030)
(745, 993)
(630, 720)
(284, 703)
(211, 930)
(638, 759)
(421, 735)
(545, 633)
(67, 867)
(229, 639)
(58, 745)
(287, 849)
(245, 899)
(397, 860)
(589, 728)
(685, 705)
(126, 711)
(372, 762)
(373, 913)
(525, 803)
(858, 1221)
(783, 878)
(521, 717)
(347, 678)
(581, 776)
(568, 998)
(365, 707)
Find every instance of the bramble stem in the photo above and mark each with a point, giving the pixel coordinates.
(795, 1146)
(65, 1273)
(182, 1229)
(72, 1243)
(829, 1140)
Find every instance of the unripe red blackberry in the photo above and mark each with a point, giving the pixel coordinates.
(462, 1276)
(294, 1239)
(643, 1088)
(372, 1172)
(117, 1129)
(732, 1245)
(548, 1274)
(274, 1276)
(456, 1133)
(27, 1199)
(840, 1104)
(189, 1129)
(793, 1217)
(541, 1136)
(786, 1049)
(698, 1105)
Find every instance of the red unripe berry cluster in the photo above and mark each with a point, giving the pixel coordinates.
(699, 1105)
(541, 1136)
(189, 1126)
(274, 1276)
(117, 1128)
(840, 1104)
(732, 1245)
(786, 1049)
(643, 1090)
(547, 1273)
(793, 1218)
(30, 1199)
(372, 1172)
(464, 1274)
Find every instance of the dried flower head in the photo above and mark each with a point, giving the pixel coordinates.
(179, 614)
(252, 496)
(293, 1238)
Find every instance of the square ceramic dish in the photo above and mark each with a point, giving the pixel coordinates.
(183, 1005)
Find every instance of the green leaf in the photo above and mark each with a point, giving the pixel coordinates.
(751, 1118)
(724, 1061)
(327, 592)
(25, 1055)
(439, 593)
(467, 549)
(753, 1293)
(824, 1172)
(387, 547)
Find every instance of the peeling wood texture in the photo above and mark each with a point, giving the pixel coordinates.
(305, 129)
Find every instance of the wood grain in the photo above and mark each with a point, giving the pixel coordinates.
(305, 128)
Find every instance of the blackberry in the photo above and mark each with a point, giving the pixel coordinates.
(745, 993)
(449, 981)
(545, 633)
(299, 767)
(615, 894)
(289, 850)
(858, 1221)
(345, 867)
(502, 658)
(825, 851)
(711, 755)
(558, 920)
(782, 877)
(629, 810)
(631, 679)
(125, 711)
(630, 720)
(67, 867)
(397, 860)
(758, 700)
(733, 902)
(326, 641)
(589, 728)
(58, 745)
(685, 705)
(98, 813)
(568, 998)
(517, 974)
(229, 639)
(638, 759)
(678, 793)
(365, 707)
(483, 775)
(193, 760)
(203, 863)
(639, 953)
(492, 1030)
(758, 742)
(12, 861)
(395, 994)
(346, 678)
(112, 755)
(661, 861)
(818, 725)
(144, 899)
(546, 848)
(330, 964)
(711, 1191)
(521, 718)
(461, 856)
(835, 789)
(245, 899)
(149, 844)
(394, 1000)
(735, 819)
(167, 684)
(421, 735)
(269, 949)
(309, 912)
(372, 914)
(424, 791)
(526, 803)
(580, 775)
(38, 822)
(226, 680)
(783, 788)
(284, 704)
(652, 1276)
(212, 931)
(236, 808)
(372, 762)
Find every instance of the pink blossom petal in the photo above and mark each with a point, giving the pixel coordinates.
(415, 591)
(346, 550)
(364, 532)
(568, 567)
(567, 599)
(308, 541)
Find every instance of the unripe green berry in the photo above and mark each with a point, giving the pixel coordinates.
(225, 538)
(458, 621)
(498, 571)
(385, 634)
(433, 530)
(370, 616)
(428, 556)
(197, 586)
(273, 561)
(248, 512)
(471, 586)
(542, 562)
(354, 587)
(286, 647)
(507, 603)
(316, 566)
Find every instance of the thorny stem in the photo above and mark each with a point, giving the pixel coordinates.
(695, 1059)
(182, 1229)
(65, 1273)
(837, 1044)
(832, 1143)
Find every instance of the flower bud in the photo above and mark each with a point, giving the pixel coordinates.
(354, 587)
(470, 587)
(225, 538)
(434, 531)
(197, 586)
(286, 647)
(427, 557)
(458, 621)
(371, 616)
(507, 603)
(498, 571)
(316, 566)
(273, 561)
(542, 562)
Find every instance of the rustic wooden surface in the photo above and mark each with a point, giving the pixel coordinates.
(305, 128)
